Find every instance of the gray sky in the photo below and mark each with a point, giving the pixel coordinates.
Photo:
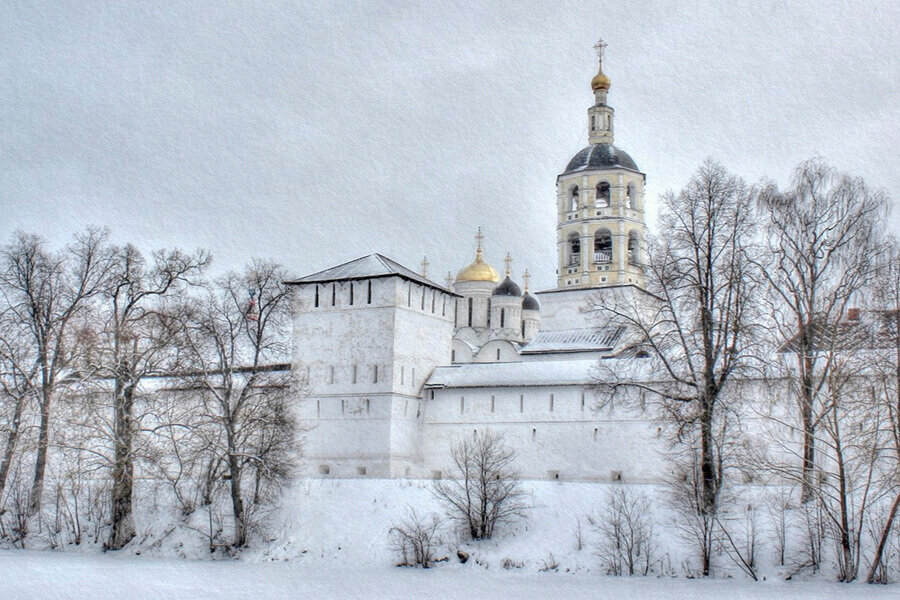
(314, 133)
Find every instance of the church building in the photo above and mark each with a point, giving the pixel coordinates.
(395, 367)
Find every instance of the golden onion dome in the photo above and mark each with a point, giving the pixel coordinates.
(600, 81)
(478, 271)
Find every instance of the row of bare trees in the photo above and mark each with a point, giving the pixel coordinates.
(117, 367)
(773, 317)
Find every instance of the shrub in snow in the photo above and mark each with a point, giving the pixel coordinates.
(482, 489)
(415, 539)
(625, 528)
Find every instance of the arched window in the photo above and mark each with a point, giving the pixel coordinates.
(603, 194)
(603, 246)
(573, 198)
(631, 196)
(574, 249)
(634, 251)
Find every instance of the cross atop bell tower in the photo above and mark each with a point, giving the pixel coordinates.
(600, 116)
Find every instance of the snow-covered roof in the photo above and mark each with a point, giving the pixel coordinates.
(575, 340)
(367, 267)
(514, 374)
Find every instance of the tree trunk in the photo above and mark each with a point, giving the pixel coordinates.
(809, 430)
(123, 529)
(708, 490)
(237, 501)
(40, 464)
(11, 443)
(882, 541)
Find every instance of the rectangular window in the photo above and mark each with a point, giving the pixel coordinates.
(368, 406)
(412, 380)
(317, 295)
(331, 374)
(369, 293)
(502, 319)
(492, 403)
(353, 376)
(443, 306)
(551, 402)
(422, 307)
(462, 404)
(582, 400)
(402, 375)
(351, 293)
(343, 406)
(409, 295)
(521, 403)
(433, 299)
(470, 312)
(333, 294)
(318, 408)
(375, 374)
(498, 353)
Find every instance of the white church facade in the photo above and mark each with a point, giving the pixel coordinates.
(395, 366)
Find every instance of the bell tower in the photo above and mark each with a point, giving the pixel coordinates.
(600, 205)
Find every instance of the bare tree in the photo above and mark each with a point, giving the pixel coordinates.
(698, 326)
(482, 490)
(48, 292)
(625, 526)
(138, 333)
(823, 238)
(416, 539)
(18, 375)
(234, 337)
(886, 386)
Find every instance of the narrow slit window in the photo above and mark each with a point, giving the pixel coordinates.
(351, 293)
(492, 403)
(551, 402)
(409, 295)
(369, 293)
(317, 295)
(521, 403)
(375, 374)
(333, 294)
(470, 312)
(354, 374)
(422, 306)
(462, 404)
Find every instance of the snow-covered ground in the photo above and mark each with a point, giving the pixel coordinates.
(60, 576)
(329, 539)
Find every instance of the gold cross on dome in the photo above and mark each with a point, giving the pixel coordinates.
(526, 276)
(425, 264)
(479, 237)
(508, 261)
(599, 47)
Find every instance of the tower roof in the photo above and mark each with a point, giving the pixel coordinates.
(478, 270)
(601, 156)
(366, 267)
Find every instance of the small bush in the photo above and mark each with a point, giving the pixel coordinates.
(416, 539)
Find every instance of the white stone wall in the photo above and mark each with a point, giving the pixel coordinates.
(558, 431)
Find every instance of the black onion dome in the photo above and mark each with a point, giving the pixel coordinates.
(508, 288)
(529, 302)
(600, 156)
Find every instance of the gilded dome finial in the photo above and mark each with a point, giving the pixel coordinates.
(478, 270)
(600, 81)
(526, 276)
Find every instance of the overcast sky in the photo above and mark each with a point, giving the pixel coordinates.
(314, 133)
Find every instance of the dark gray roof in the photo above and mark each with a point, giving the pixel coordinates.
(529, 302)
(367, 267)
(600, 156)
(507, 288)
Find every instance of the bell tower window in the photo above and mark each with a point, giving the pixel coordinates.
(573, 198)
(603, 194)
(603, 246)
(574, 243)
